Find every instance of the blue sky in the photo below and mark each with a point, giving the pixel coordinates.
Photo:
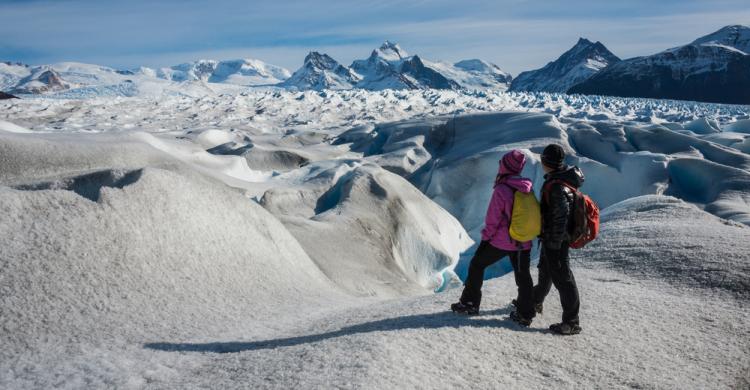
(517, 35)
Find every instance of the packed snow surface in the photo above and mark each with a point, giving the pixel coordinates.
(194, 236)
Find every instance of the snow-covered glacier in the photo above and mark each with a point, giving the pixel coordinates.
(199, 235)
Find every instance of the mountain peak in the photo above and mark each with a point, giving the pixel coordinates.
(586, 49)
(577, 64)
(42, 79)
(733, 29)
(320, 60)
(390, 51)
(585, 44)
(320, 71)
(245, 71)
(736, 36)
(712, 68)
(16, 63)
(475, 64)
(391, 67)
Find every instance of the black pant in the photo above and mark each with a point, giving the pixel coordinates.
(487, 255)
(554, 268)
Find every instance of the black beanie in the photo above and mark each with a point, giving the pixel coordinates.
(553, 156)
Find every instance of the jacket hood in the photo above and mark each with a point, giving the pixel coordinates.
(518, 183)
(512, 163)
(571, 175)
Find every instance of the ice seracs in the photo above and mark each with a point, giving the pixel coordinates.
(367, 229)
(713, 68)
(273, 238)
(579, 63)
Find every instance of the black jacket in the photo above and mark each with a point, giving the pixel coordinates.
(557, 205)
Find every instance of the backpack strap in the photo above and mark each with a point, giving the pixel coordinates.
(510, 217)
(548, 186)
(513, 194)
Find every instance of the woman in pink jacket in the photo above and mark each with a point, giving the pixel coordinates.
(497, 243)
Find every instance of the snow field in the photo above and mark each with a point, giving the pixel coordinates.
(635, 334)
(645, 325)
(693, 249)
(111, 240)
(275, 239)
(363, 212)
(168, 255)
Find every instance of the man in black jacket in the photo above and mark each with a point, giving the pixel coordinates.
(554, 264)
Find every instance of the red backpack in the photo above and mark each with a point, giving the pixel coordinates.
(585, 215)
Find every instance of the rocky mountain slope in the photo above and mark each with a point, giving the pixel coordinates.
(583, 60)
(713, 68)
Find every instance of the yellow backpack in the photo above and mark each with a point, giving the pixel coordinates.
(526, 219)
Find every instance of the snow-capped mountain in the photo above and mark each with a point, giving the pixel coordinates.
(240, 72)
(61, 77)
(87, 75)
(480, 70)
(40, 80)
(391, 67)
(320, 71)
(388, 67)
(349, 230)
(579, 63)
(713, 68)
(473, 74)
(92, 80)
(11, 73)
(736, 36)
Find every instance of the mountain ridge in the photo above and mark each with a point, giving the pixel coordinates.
(577, 64)
(391, 67)
(713, 68)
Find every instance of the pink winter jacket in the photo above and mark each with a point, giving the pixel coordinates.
(497, 221)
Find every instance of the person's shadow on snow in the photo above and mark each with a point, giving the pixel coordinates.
(421, 321)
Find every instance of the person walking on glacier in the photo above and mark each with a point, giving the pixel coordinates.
(498, 243)
(557, 203)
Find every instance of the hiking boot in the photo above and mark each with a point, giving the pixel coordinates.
(519, 319)
(565, 329)
(538, 307)
(467, 308)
